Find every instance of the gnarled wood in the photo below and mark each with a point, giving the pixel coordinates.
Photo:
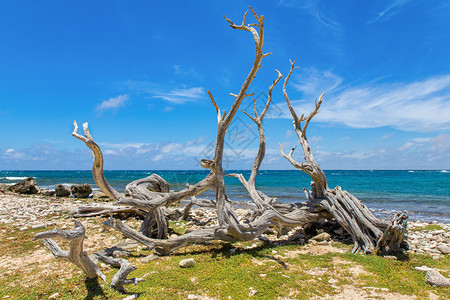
(75, 255)
(369, 233)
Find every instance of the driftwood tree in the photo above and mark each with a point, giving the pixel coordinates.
(152, 198)
(369, 233)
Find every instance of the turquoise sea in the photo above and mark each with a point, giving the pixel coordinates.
(423, 194)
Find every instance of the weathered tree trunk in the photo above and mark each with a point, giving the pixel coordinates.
(369, 233)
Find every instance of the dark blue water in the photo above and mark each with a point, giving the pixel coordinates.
(424, 194)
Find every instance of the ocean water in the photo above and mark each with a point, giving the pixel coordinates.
(423, 194)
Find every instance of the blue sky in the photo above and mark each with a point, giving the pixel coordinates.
(138, 72)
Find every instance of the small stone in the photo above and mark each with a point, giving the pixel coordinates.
(150, 257)
(192, 296)
(392, 257)
(444, 249)
(53, 296)
(38, 226)
(99, 195)
(232, 250)
(46, 192)
(324, 236)
(24, 228)
(186, 263)
(435, 232)
(252, 292)
(120, 254)
(333, 281)
(435, 278)
(132, 297)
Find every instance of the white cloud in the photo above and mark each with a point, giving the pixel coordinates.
(179, 96)
(418, 106)
(386, 136)
(312, 8)
(111, 103)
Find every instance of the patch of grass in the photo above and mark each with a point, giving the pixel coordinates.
(400, 276)
(430, 227)
(17, 242)
(179, 227)
(273, 271)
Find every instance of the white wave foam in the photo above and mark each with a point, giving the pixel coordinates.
(444, 171)
(410, 171)
(14, 178)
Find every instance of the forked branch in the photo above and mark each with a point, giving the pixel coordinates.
(75, 255)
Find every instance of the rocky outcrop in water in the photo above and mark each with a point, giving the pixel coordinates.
(61, 191)
(81, 191)
(26, 186)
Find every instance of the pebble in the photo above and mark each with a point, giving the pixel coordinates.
(321, 237)
(252, 292)
(38, 226)
(132, 297)
(187, 262)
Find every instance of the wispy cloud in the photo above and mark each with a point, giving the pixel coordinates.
(173, 96)
(413, 154)
(418, 106)
(312, 8)
(391, 9)
(112, 103)
(178, 96)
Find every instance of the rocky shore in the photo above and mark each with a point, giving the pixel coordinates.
(37, 211)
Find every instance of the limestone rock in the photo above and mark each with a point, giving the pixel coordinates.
(120, 254)
(324, 236)
(62, 191)
(46, 192)
(81, 191)
(99, 195)
(444, 249)
(435, 278)
(26, 186)
(187, 262)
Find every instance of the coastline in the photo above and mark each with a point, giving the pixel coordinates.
(26, 212)
(422, 194)
(21, 216)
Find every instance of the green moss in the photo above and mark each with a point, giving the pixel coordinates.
(430, 227)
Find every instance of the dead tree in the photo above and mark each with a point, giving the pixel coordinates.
(369, 233)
